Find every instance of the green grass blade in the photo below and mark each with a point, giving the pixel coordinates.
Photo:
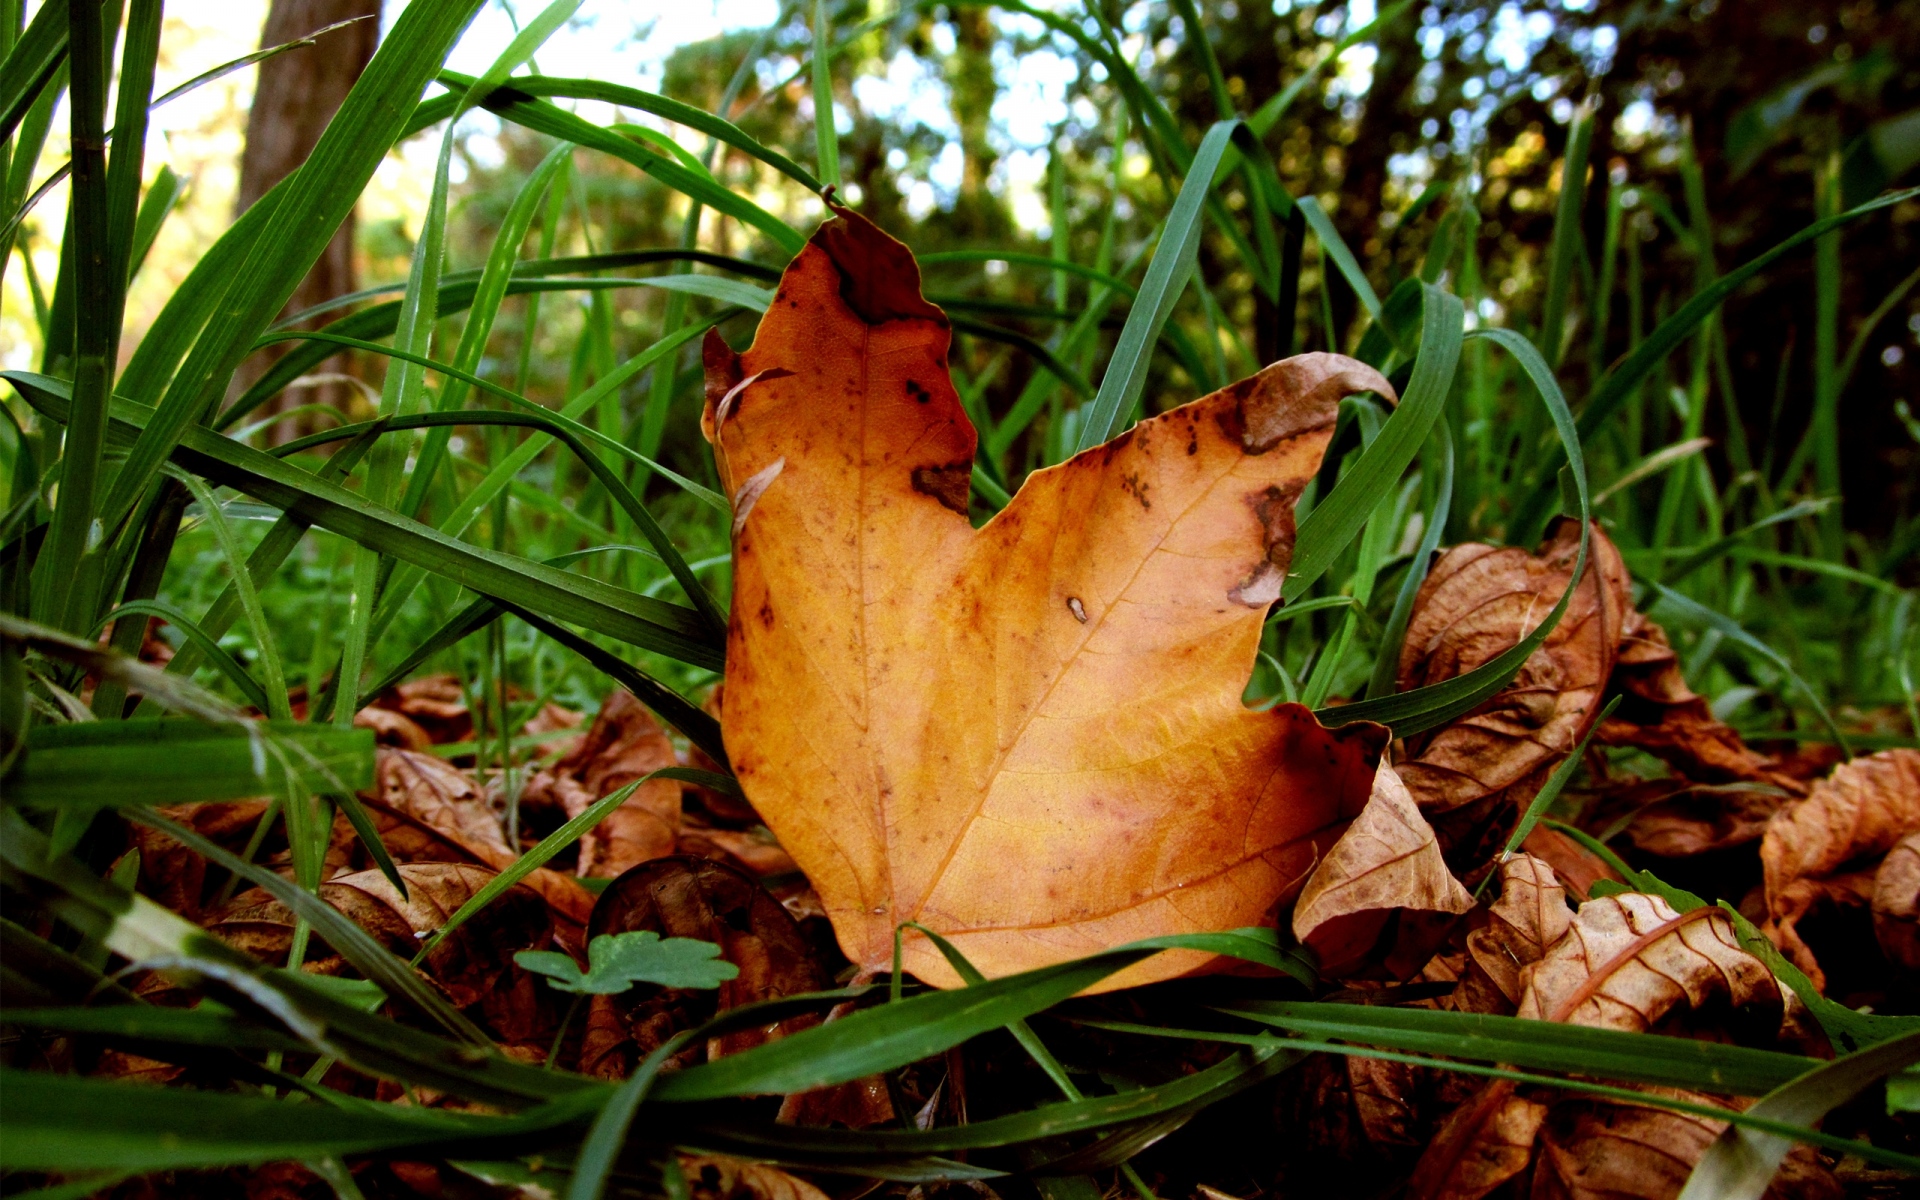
(355, 944)
(1338, 517)
(1539, 1045)
(641, 621)
(287, 243)
(1382, 680)
(1427, 707)
(1567, 238)
(1696, 613)
(826, 137)
(549, 846)
(97, 764)
(265, 646)
(522, 109)
(209, 647)
(32, 63)
(1167, 276)
(1741, 1163)
(1336, 249)
(670, 706)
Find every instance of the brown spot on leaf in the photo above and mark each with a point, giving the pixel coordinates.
(917, 393)
(1132, 485)
(1298, 395)
(948, 484)
(879, 279)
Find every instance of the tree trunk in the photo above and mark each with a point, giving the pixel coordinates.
(297, 94)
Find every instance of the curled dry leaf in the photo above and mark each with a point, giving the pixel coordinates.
(1530, 915)
(1813, 852)
(1678, 818)
(1576, 867)
(1629, 960)
(1482, 1144)
(473, 966)
(1660, 714)
(1473, 777)
(718, 1177)
(686, 897)
(624, 743)
(1386, 861)
(1896, 903)
(1027, 737)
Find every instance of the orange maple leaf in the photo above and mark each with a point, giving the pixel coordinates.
(1027, 737)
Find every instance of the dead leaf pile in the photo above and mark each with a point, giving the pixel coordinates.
(1850, 844)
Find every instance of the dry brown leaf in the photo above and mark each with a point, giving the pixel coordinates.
(473, 966)
(1660, 714)
(1576, 867)
(563, 723)
(1530, 915)
(1028, 737)
(719, 1177)
(436, 703)
(427, 810)
(1472, 778)
(1854, 816)
(1386, 861)
(1593, 1149)
(1629, 960)
(624, 743)
(1677, 818)
(1896, 903)
(445, 799)
(392, 728)
(1482, 1144)
(176, 877)
(681, 896)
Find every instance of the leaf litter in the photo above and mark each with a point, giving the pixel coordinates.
(1029, 739)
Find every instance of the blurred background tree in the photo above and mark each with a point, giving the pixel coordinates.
(1720, 129)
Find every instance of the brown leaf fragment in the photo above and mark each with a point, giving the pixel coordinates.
(1387, 860)
(970, 753)
(1473, 777)
(1896, 903)
(563, 723)
(1576, 867)
(1594, 1149)
(1530, 915)
(623, 744)
(473, 966)
(1823, 849)
(176, 877)
(1677, 818)
(443, 798)
(719, 1177)
(1629, 960)
(391, 728)
(1482, 1144)
(682, 896)
(1660, 714)
(436, 703)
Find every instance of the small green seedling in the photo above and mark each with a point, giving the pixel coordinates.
(617, 961)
